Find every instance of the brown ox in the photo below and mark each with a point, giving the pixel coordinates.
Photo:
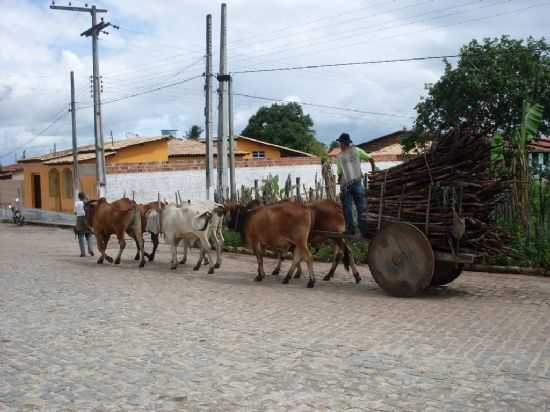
(120, 217)
(327, 216)
(279, 226)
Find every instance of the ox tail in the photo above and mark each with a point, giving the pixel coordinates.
(347, 259)
(207, 218)
(138, 229)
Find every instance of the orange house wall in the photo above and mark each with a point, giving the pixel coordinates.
(87, 185)
(271, 153)
(147, 152)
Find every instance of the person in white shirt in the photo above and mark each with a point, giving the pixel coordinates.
(82, 230)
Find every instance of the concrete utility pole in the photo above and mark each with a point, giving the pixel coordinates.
(76, 174)
(223, 78)
(93, 32)
(232, 184)
(208, 110)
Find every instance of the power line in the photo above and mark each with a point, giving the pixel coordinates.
(359, 63)
(57, 117)
(325, 106)
(332, 34)
(370, 38)
(153, 90)
(332, 17)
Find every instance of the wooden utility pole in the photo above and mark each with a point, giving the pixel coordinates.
(208, 110)
(93, 32)
(76, 174)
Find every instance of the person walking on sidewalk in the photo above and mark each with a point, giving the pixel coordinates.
(82, 229)
(350, 178)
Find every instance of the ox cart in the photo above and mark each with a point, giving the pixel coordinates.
(432, 214)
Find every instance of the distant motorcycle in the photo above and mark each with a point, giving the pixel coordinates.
(17, 216)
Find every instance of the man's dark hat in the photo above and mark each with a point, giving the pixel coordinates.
(344, 138)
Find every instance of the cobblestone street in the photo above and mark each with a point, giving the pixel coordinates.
(77, 336)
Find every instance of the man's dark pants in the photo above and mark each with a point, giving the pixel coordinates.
(355, 193)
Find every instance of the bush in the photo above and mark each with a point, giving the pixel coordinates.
(322, 253)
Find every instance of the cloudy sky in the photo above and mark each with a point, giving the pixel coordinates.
(161, 42)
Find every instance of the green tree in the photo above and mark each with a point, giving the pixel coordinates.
(333, 145)
(487, 87)
(285, 124)
(195, 132)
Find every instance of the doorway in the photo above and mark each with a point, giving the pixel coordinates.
(36, 192)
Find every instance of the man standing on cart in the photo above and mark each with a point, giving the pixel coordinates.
(350, 178)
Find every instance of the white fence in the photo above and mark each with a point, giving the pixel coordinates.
(191, 183)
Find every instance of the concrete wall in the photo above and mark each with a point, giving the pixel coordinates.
(10, 190)
(191, 183)
(147, 181)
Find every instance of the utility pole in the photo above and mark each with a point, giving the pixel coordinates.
(232, 184)
(222, 108)
(76, 174)
(93, 32)
(208, 110)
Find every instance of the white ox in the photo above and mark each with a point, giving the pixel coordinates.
(215, 235)
(186, 223)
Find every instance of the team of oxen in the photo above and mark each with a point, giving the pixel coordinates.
(285, 227)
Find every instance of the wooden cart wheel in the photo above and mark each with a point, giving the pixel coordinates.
(445, 272)
(401, 260)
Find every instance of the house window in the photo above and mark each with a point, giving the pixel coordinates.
(258, 155)
(68, 183)
(53, 178)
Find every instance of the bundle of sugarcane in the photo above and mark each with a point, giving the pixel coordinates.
(447, 192)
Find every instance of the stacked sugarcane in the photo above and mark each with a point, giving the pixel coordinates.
(449, 184)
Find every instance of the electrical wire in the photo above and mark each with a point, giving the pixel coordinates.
(359, 63)
(325, 106)
(153, 90)
(399, 23)
(57, 117)
(476, 19)
(332, 34)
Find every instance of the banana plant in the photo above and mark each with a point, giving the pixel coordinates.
(520, 138)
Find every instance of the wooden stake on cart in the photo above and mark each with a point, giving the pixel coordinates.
(428, 207)
(381, 205)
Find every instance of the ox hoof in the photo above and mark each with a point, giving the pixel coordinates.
(151, 257)
(109, 259)
(357, 277)
(275, 272)
(286, 280)
(297, 275)
(258, 278)
(196, 267)
(183, 261)
(173, 267)
(136, 257)
(100, 261)
(117, 261)
(217, 265)
(142, 263)
(327, 277)
(311, 283)
(210, 271)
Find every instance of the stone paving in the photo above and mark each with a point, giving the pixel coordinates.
(77, 336)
